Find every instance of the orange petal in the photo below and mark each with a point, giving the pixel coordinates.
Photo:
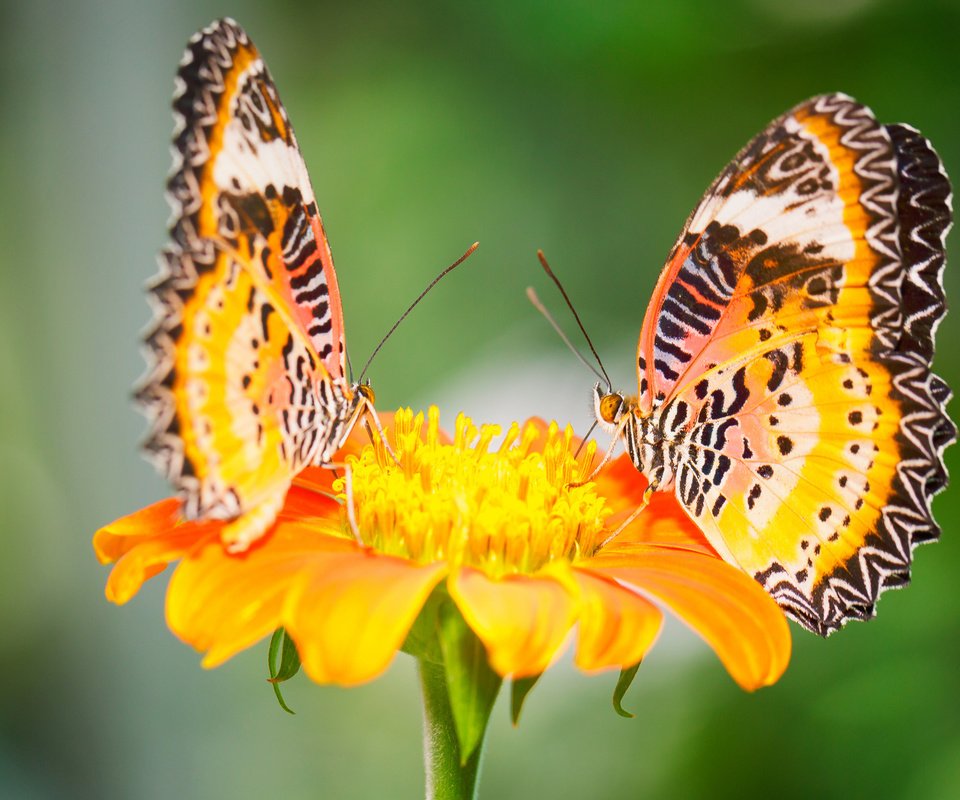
(521, 619)
(349, 614)
(311, 496)
(222, 603)
(314, 479)
(617, 626)
(662, 521)
(115, 539)
(730, 610)
(143, 543)
(621, 483)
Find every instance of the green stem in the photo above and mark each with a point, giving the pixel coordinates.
(447, 778)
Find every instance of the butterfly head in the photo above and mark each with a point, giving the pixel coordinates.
(358, 403)
(609, 408)
(365, 390)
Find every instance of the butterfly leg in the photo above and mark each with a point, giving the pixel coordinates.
(648, 492)
(370, 412)
(312, 486)
(351, 508)
(606, 456)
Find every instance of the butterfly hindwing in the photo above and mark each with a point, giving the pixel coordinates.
(793, 326)
(247, 381)
(793, 477)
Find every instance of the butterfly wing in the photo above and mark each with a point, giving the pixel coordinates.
(246, 384)
(788, 344)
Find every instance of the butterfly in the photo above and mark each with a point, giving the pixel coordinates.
(785, 391)
(246, 384)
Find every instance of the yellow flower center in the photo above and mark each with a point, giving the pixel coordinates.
(506, 509)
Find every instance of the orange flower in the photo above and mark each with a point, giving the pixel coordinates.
(499, 528)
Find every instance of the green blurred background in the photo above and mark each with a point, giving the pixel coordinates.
(588, 129)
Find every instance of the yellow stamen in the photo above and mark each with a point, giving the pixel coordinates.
(505, 510)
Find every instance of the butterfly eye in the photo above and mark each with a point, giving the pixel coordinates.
(366, 390)
(610, 406)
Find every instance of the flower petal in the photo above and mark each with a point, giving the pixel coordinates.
(311, 500)
(222, 603)
(662, 521)
(730, 610)
(617, 626)
(349, 613)
(522, 620)
(143, 543)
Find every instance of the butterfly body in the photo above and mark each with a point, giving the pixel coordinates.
(785, 392)
(654, 441)
(246, 384)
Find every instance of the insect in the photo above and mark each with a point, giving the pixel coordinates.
(785, 392)
(246, 383)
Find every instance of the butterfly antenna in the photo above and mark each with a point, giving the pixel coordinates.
(532, 297)
(576, 316)
(349, 365)
(403, 316)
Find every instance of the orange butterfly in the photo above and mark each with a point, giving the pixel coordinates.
(247, 382)
(785, 392)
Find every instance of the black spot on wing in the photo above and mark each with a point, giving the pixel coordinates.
(671, 349)
(718, 505)
(265, 311)
(314, 294)
(723, 467)
(779, 361)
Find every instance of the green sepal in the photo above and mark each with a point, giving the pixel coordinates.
(472, 685)
(423, 638)
(519, 689)
(627, 674)
(289, 664)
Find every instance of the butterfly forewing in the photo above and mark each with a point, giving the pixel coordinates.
(788, 345)
(247, 383)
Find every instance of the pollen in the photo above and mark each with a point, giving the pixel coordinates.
(505, 504)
